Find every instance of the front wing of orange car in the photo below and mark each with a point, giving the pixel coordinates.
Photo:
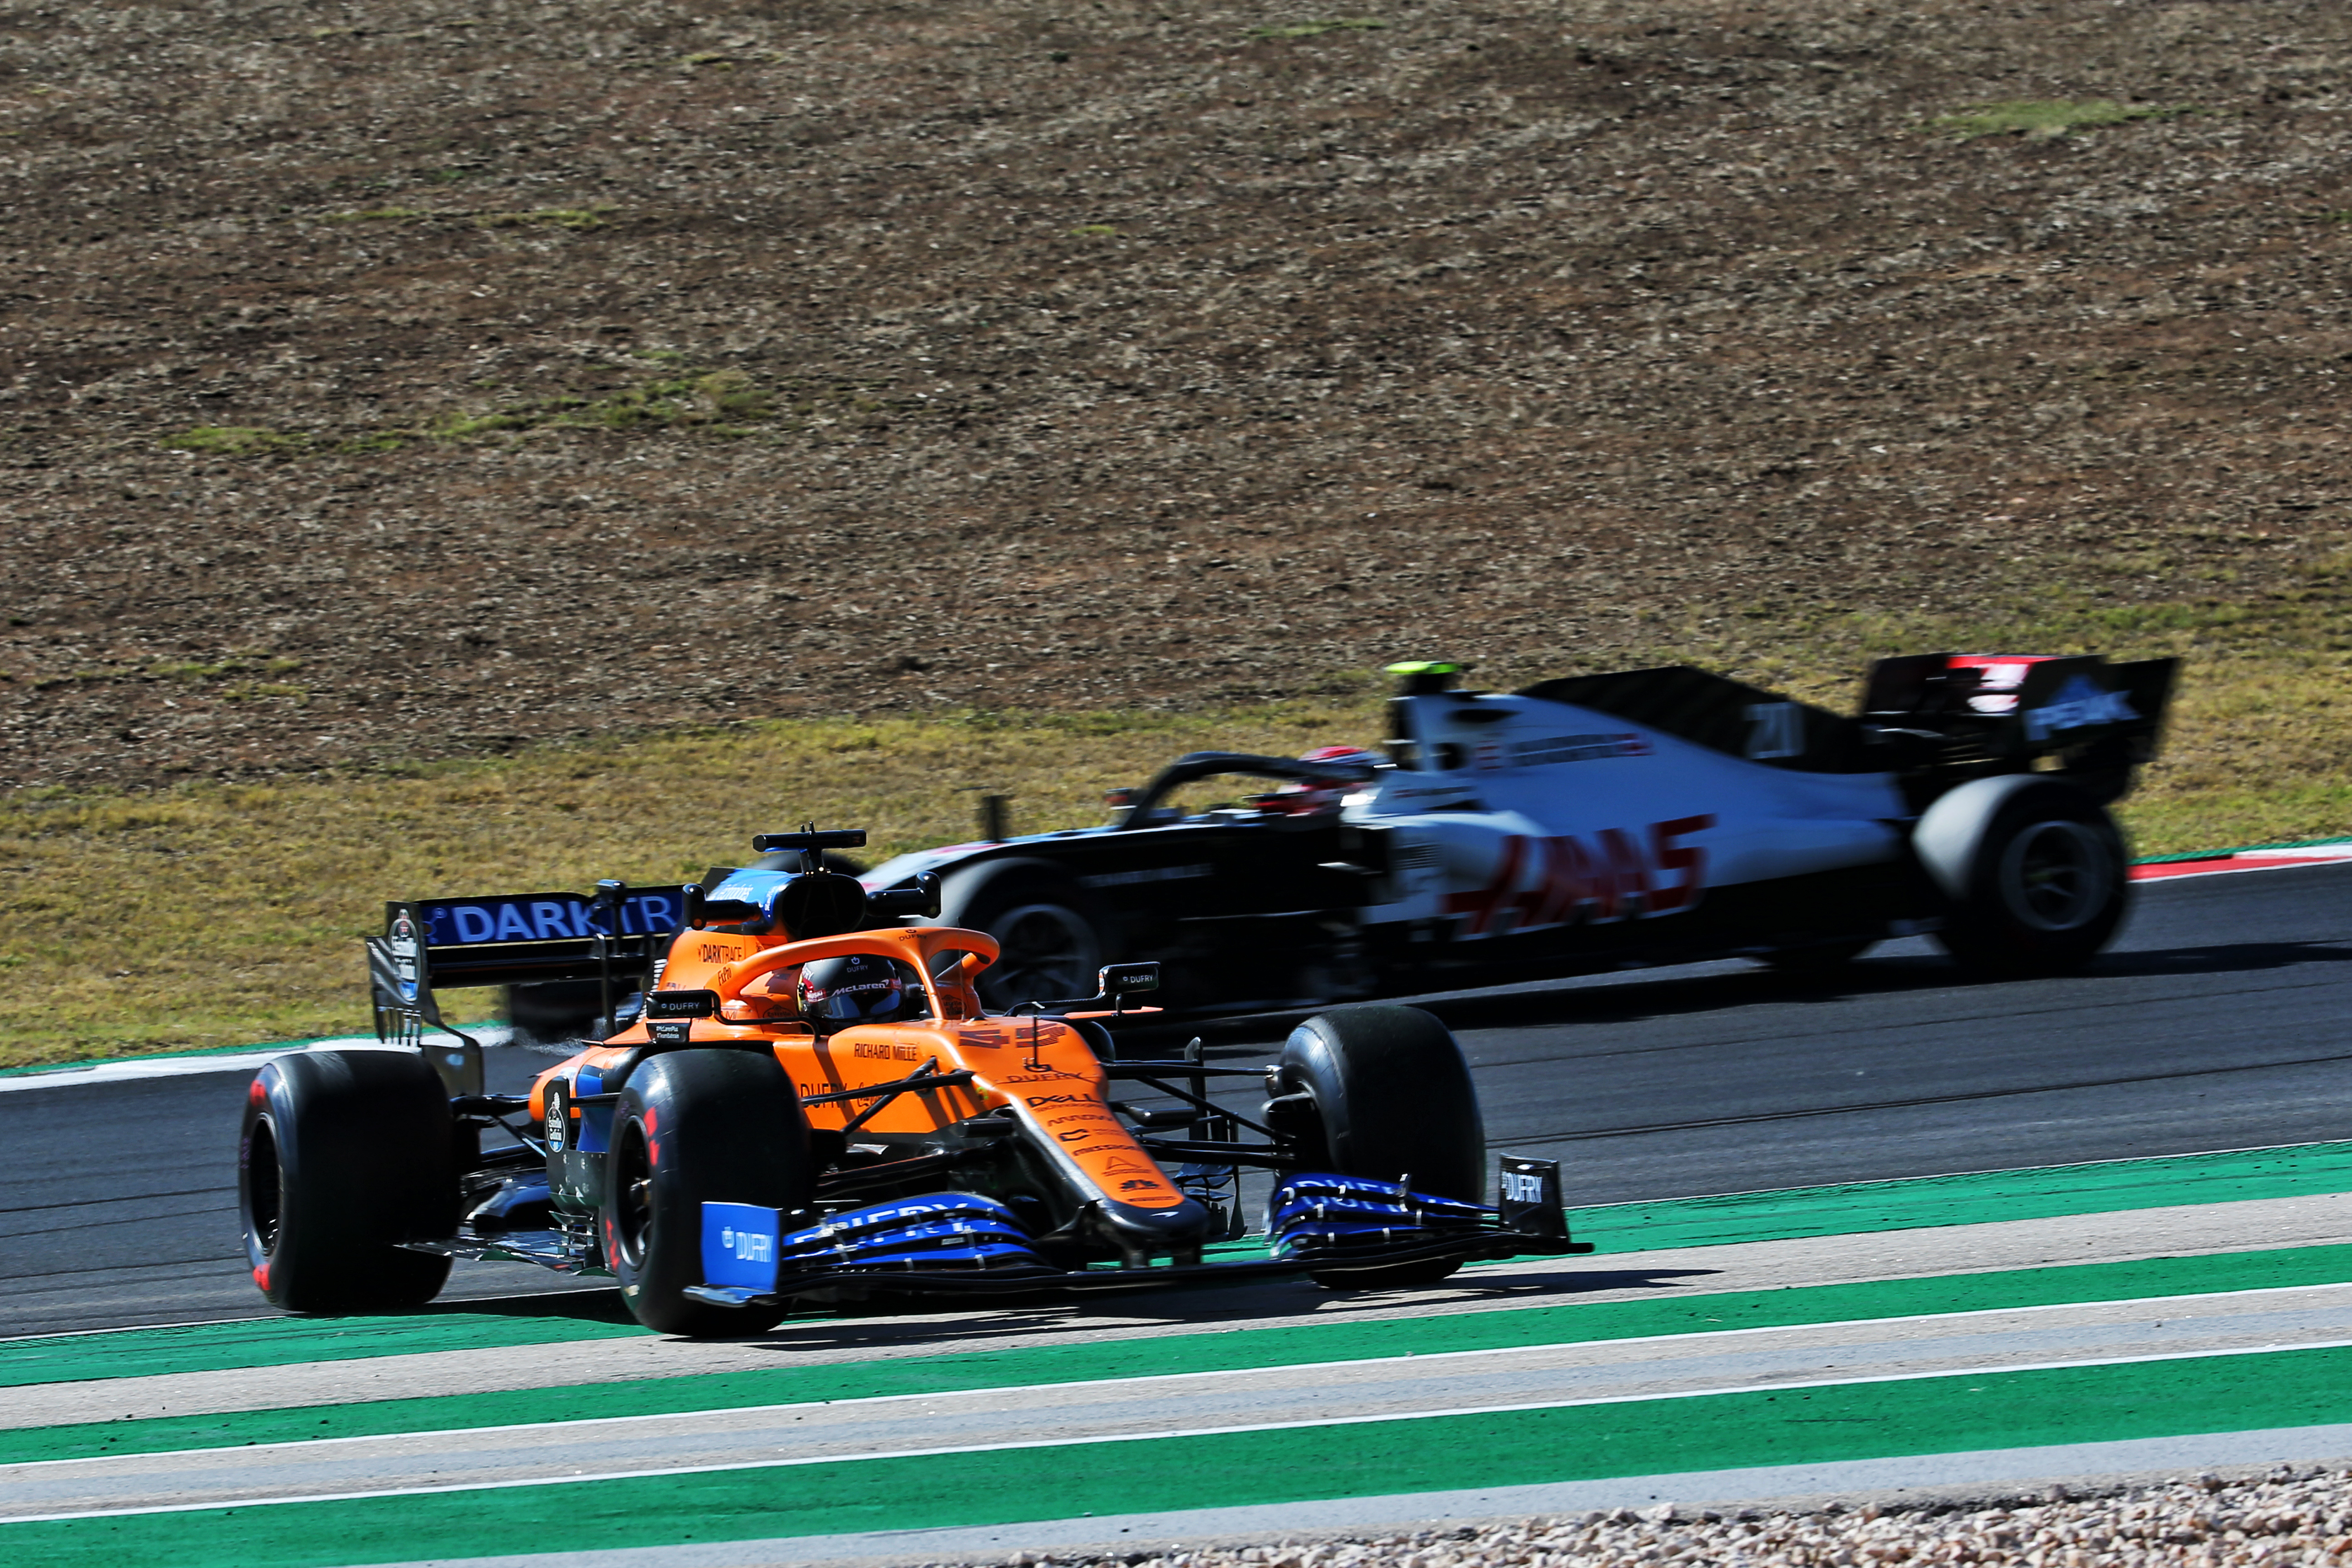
(1320, 1223)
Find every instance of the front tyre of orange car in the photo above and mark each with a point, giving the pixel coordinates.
(1385, 1092)
(342, 1156)
(694, 1127)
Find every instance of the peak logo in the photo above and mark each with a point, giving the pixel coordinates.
(2078, 705)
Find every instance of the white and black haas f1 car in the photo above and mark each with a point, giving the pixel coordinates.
(1648, 816)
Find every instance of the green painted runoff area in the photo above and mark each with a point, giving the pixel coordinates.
(1979, 1197)
(1228, 1349)
(1942, 1414)
(1853, 1208)
(558, 1316)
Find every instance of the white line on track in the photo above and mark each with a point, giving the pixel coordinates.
(1695, 1339)
(189, 1067)
(1175, 1433)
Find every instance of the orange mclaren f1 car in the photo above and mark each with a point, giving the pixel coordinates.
(812, 1102)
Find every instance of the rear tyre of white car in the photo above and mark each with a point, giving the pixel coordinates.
(2036, 873)
(1388, 1097)
(1052, 935)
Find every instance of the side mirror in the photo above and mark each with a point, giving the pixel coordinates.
(1119, 982)
(922, 899)
(1129, 979)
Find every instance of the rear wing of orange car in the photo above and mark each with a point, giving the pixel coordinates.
(430, 945)
(613, 937)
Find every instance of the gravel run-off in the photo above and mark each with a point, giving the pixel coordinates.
(2288, 1518)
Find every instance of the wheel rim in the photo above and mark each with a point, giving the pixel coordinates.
(632, 1209)
(2055, 875)
(1045, 953)
(265, 1191)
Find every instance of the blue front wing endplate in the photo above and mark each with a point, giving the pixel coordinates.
(1317, 1215)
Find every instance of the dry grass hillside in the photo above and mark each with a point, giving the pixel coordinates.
(418, 378)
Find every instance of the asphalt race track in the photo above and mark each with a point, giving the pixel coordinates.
(2219, 1021)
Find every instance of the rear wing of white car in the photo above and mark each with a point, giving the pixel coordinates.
(1939, 718)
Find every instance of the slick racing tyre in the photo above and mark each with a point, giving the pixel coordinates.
(1052, 934)
(1386, 1095)
(2035, 873)
(694, 1127)
(345, 1154)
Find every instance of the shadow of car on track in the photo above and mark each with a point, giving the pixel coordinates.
(2239, 958)
(885, 1322)
(1263, 1304)
(585, 1305)
(1672, 992)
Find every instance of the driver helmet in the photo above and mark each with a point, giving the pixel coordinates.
(1320, 795)
(861, 988)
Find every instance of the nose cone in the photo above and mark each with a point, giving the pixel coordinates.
(1131, 1229)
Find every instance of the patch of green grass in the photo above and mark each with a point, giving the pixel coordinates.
(1097, 231)
(713, 398)
(240, 661)
(2042, 119)
(1316, 29)
(70, 678)
(235, 440)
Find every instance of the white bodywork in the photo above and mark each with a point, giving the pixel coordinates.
(1558, 815)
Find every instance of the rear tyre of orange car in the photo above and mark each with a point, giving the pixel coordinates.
(1388, 1096)
(694, 1127)
(2036, 872)
(342, 1156)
